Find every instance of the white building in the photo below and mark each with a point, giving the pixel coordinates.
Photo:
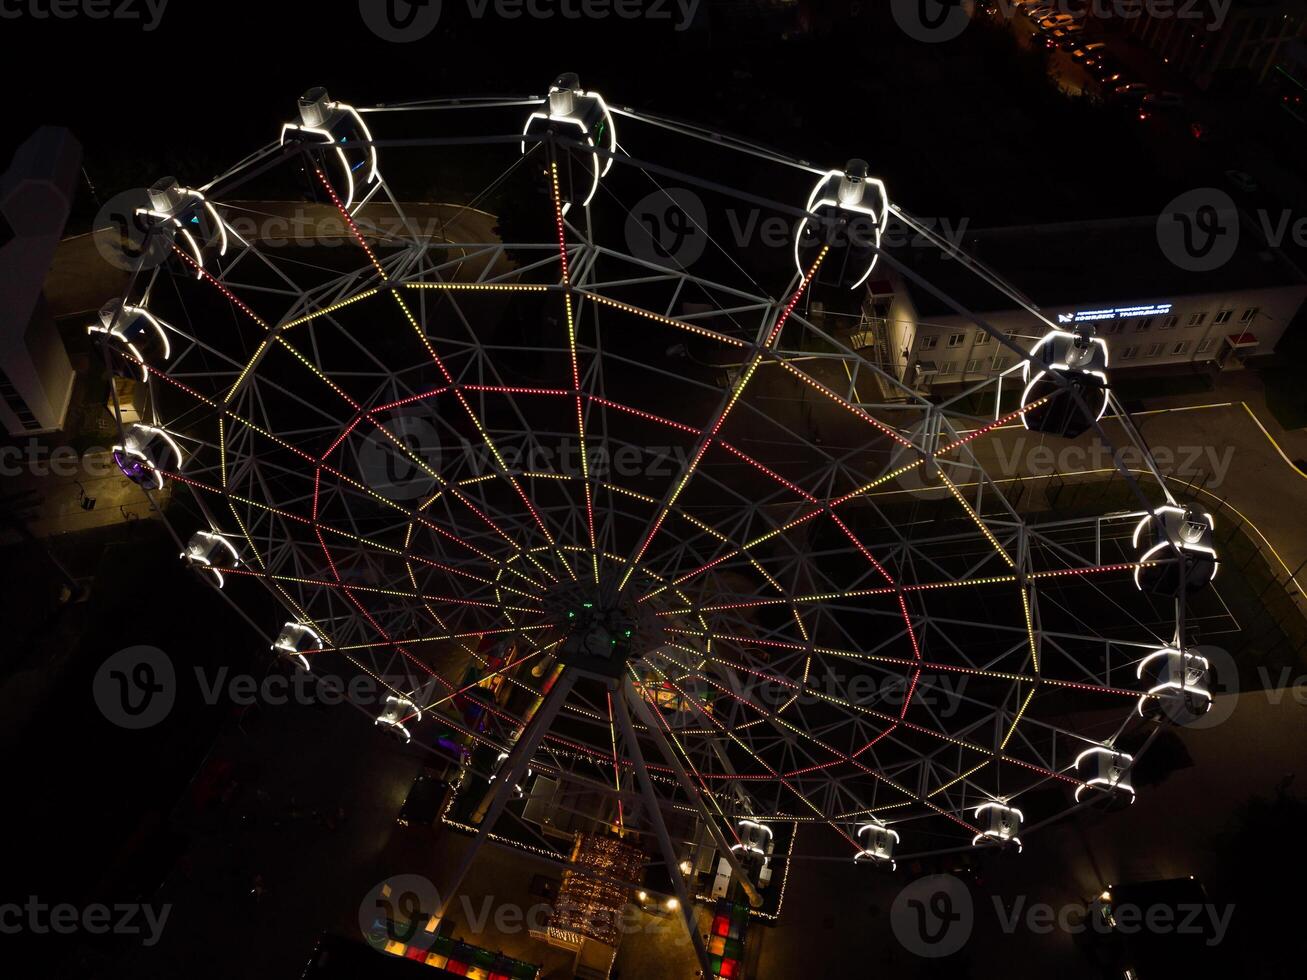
(1155, 316)
(36, 378)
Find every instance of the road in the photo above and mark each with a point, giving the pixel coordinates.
(1227, 442)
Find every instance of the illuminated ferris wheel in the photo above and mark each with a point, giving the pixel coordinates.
(599, 500)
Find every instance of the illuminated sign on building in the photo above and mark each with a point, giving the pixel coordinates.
(1115, 313)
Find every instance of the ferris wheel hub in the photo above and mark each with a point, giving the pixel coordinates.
(602, 630)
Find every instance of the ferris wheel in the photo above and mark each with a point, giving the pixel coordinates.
(591, 506)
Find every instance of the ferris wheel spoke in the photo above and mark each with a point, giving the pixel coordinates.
(574, 359)
(708, 434)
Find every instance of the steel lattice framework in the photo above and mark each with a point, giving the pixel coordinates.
(842, 622)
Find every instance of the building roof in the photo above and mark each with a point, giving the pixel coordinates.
(1085, 263)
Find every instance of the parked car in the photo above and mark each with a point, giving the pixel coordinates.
(1089, 52)
(1054, 21)
(1130, 93)
(1107, 71)
(1064, 38)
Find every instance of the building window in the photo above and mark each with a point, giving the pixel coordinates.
(1115, 328)
(1250, 314)
(1206, 344)
(1170, 322)
(1001, 363)
(928, 342)
(981, 338)
(947, 367)
(957, 339)
(1223, 316)
(1129, 353)
(1196, 319)
(1182, 347)
(1154, 350)
(975, 366)
(1142, 325)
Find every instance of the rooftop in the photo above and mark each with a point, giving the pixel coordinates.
(1085, 263)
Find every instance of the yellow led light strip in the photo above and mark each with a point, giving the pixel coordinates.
(576, 368)
(327, 310)
(523, 287)
(957, 494)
